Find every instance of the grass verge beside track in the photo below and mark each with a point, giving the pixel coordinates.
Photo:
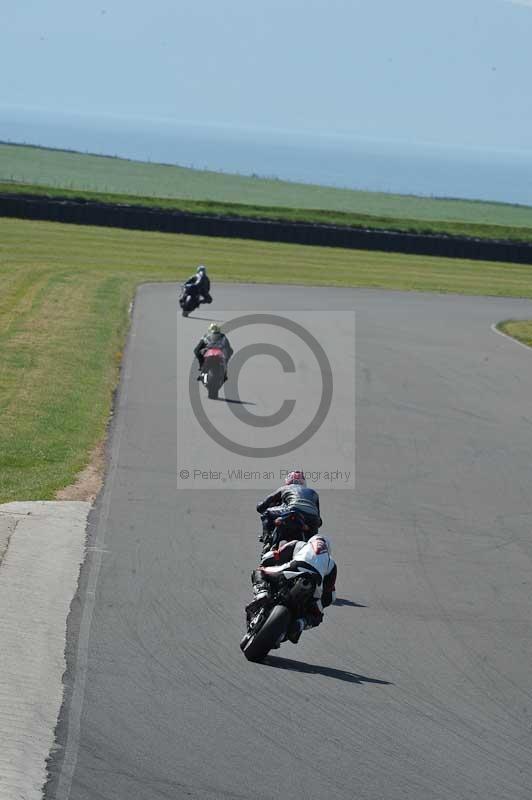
(64, 294)
(518, 329)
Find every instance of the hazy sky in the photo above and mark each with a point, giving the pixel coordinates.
(453, 72)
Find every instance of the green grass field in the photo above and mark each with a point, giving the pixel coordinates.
(518, 329)
(64, 294)
(211, 191)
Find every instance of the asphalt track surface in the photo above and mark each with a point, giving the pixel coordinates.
(419, 683)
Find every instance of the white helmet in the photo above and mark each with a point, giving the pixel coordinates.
(321, 544)
(201, 269)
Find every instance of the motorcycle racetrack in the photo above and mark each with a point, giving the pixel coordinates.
(418, 685)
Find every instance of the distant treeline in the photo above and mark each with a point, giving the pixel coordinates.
(86, 212)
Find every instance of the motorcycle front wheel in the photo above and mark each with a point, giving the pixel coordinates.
(183, 302)
(270, 634)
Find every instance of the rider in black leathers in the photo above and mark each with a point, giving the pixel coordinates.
(213, 338)
(293, 496)
(199, 284)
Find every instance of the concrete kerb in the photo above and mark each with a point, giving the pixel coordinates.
(41, 549)
(8, 523)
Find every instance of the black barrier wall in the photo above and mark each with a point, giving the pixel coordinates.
(153, 219)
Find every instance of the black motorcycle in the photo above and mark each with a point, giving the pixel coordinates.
(270, 619)
(189, 300)
(288, 525)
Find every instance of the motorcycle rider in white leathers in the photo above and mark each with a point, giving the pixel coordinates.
(313, 556)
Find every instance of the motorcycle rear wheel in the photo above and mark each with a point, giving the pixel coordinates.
(274, 629)
(212, 386)
(214, 383)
